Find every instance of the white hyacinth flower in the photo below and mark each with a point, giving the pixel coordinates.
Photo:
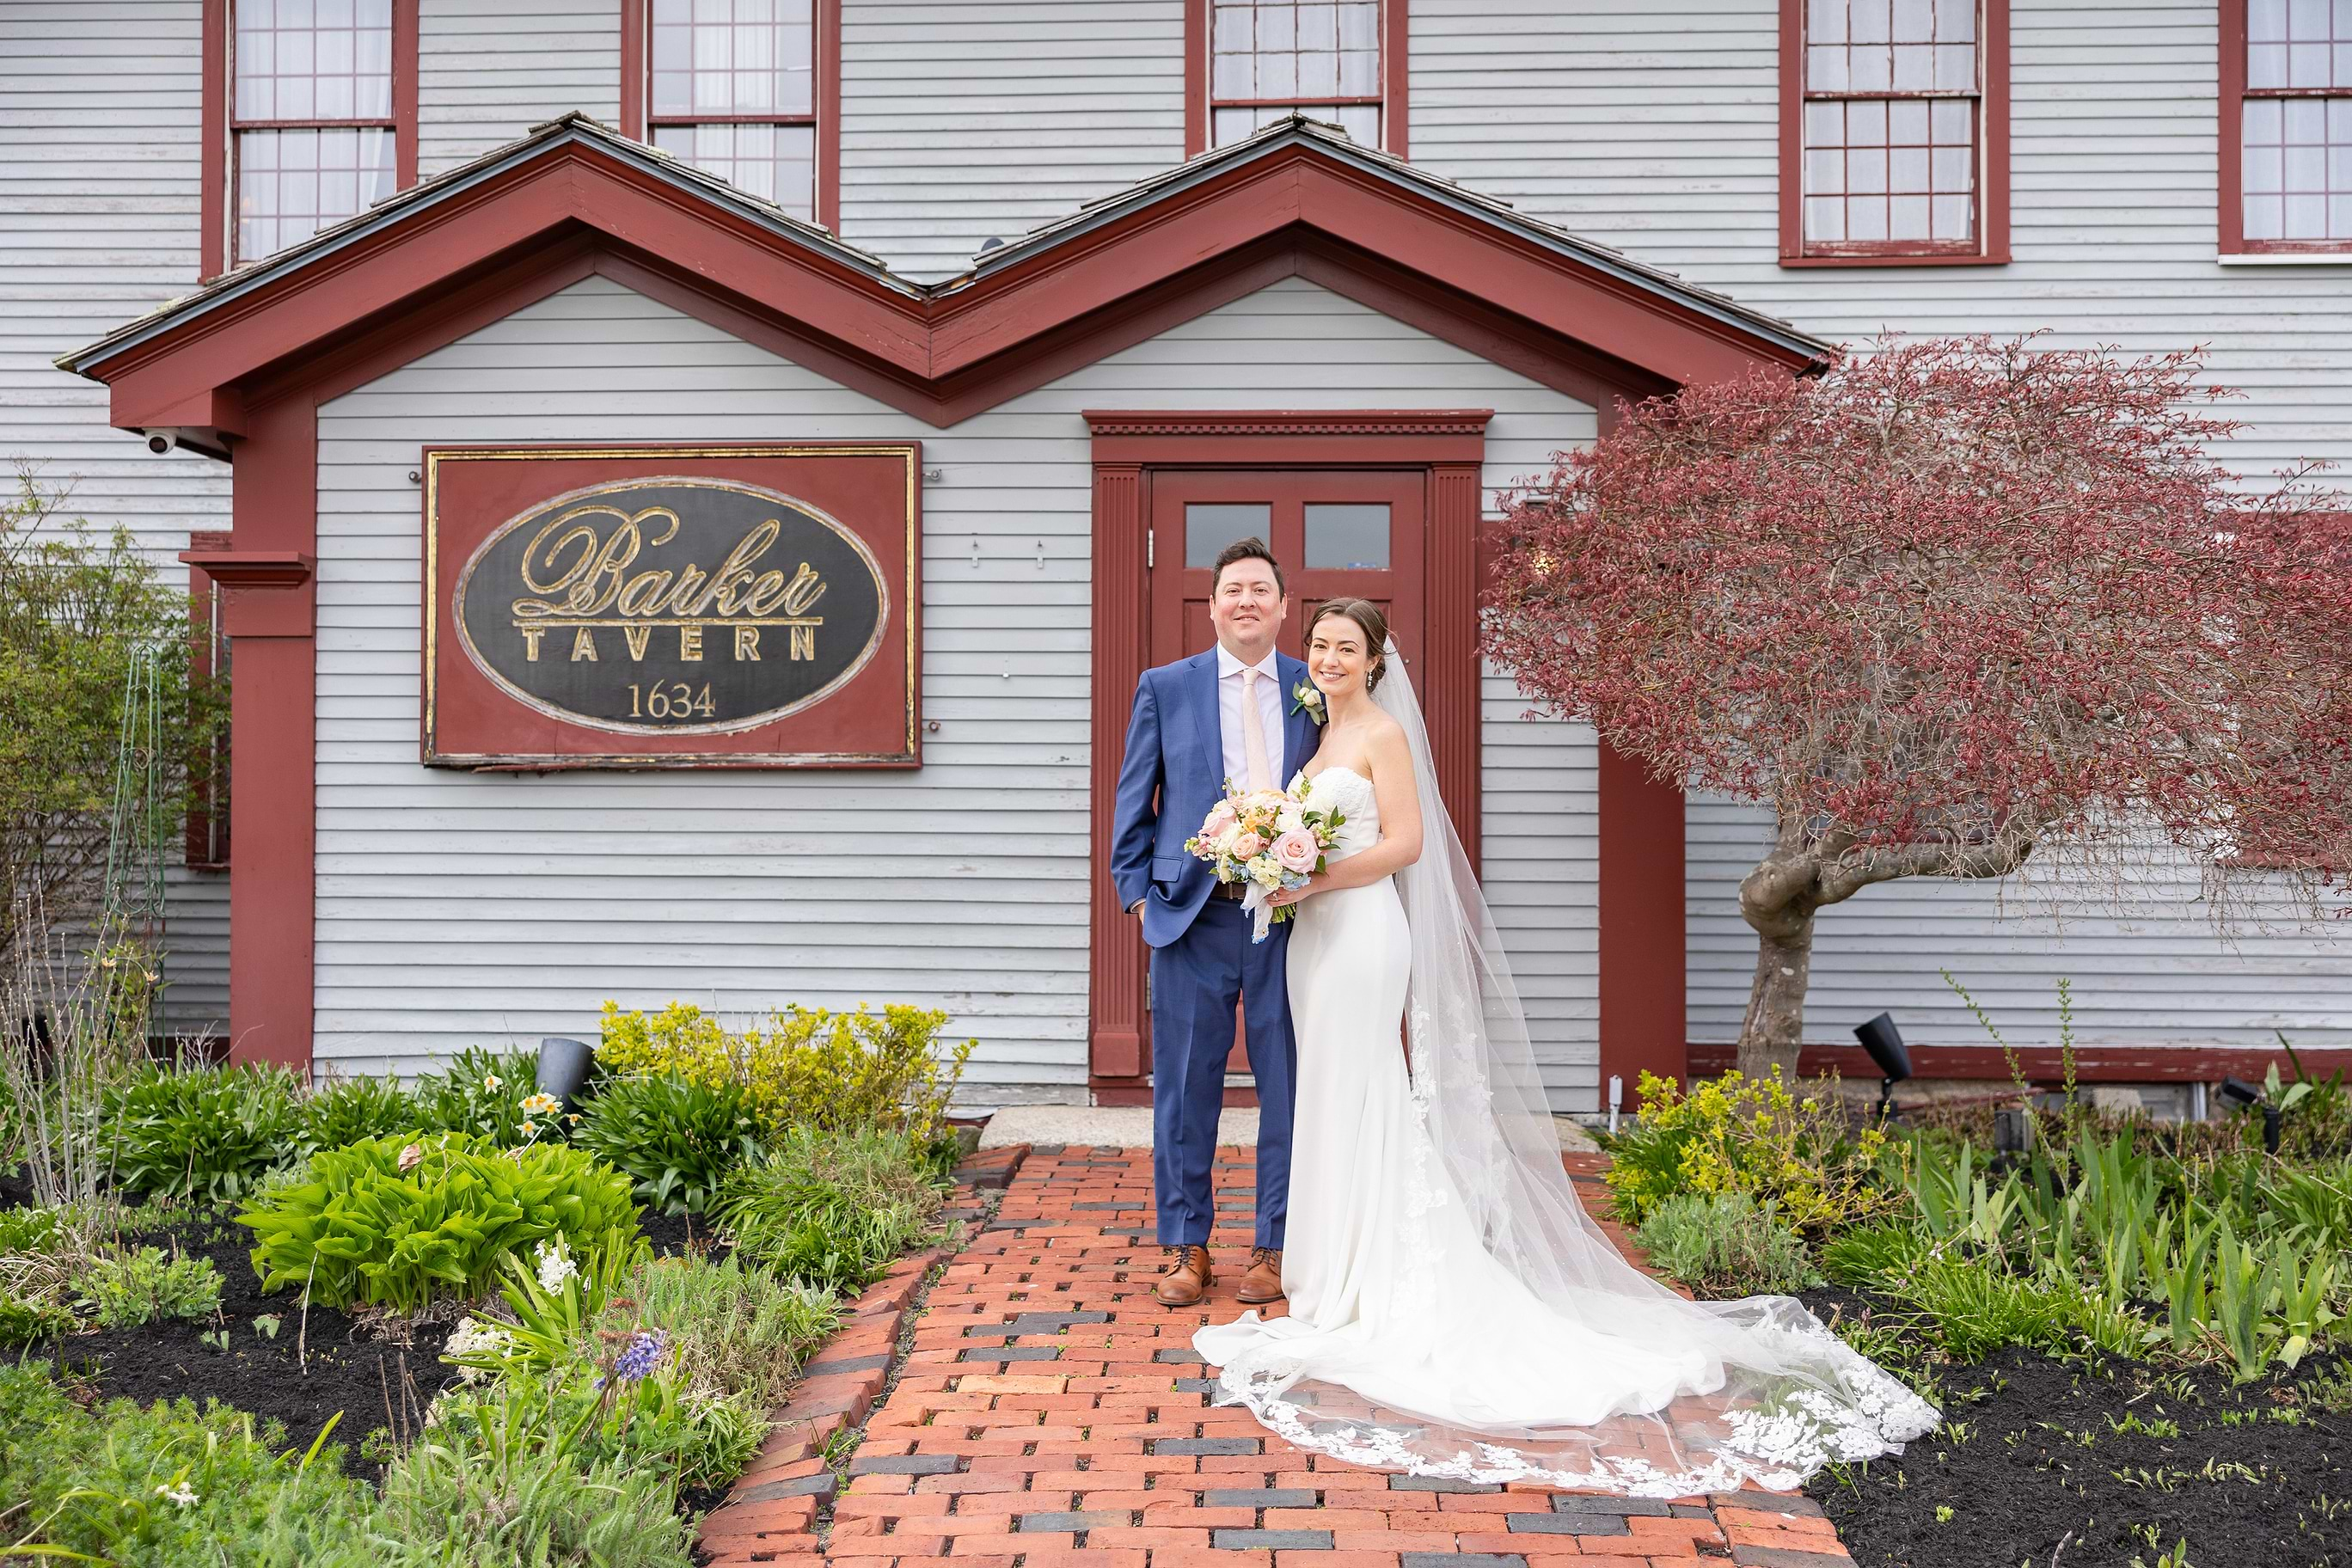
(555, 1266)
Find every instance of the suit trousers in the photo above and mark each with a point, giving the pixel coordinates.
(1196, 981)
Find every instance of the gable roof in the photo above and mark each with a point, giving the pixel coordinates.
(1297, 197)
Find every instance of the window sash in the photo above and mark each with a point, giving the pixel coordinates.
(1320, 57)
(1912, 180)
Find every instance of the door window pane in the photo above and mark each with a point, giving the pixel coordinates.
(1210, 526)
(1348, 535)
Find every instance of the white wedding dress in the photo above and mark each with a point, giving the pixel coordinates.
(1452, 1310)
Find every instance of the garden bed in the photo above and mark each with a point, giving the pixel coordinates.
(2105, 1461)
(372, 1371)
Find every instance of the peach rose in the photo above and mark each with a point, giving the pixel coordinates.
(1298, 851)
(1247, 844)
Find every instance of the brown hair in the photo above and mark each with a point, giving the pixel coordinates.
(1251, 549)
(1373, 625)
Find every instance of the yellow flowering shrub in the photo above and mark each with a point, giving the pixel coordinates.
(807, 1067)
(1738, 1134)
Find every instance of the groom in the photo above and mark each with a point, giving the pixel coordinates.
(1231, 713)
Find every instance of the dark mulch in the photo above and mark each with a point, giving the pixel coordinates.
(300, 1376)
(2031, 1468)
(378, 1380)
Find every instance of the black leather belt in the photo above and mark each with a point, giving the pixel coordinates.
(1237, 891)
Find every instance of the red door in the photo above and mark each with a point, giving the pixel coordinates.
(1337, 532)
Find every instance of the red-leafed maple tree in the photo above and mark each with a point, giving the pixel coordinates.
(1945, 604)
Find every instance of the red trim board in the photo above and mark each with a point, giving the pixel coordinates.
(2043, 1064)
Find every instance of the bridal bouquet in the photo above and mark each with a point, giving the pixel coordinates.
(1270, 840)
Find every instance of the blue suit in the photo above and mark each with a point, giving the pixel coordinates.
(1203, 960)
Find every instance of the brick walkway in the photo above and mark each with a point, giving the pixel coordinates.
(1051, 1414)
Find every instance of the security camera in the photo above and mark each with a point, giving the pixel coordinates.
(158, 445)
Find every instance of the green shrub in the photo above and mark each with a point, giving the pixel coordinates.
(168, 1486)
(24, 1320)
(205, 1132)
(351, 1109)
(1737, 1134)
(810, 1065)
(738, 1330)
(362, 1228)
(484, 1094)
(123, 1291)
(831, 1210)
(677, 1138)
(31, 1232)
(486, 1486)
(1874, 1257)
(1727, 1245)
(1976, 1308)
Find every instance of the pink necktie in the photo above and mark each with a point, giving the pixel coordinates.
(1254, 734)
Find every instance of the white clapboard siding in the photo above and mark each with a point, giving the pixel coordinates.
(98, 107)
(456, 908)
(963, 122)
(488, 70)
(2153, 971)
(1655, 128)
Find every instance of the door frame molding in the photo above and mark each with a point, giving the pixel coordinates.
(1447, 445)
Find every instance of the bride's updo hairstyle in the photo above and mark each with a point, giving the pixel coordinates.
(1373, 625)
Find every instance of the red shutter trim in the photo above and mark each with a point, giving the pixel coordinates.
(1641, 981)
(1117, 958)
(404, 67)
(636, 61)
(1992, 172)
(212, 203)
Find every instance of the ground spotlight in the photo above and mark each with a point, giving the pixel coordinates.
(2237, 1091)
(1884, 1041)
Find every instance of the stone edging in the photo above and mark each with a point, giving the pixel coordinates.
(771, 1512)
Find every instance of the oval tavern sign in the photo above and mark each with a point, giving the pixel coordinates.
(672, 608)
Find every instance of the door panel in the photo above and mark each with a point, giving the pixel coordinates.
(1337, 532)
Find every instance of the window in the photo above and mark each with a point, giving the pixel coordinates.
(313, 117)
(2286, 125)
(1255, 60)
(1894, 131)
(733, 89)
(309, 116)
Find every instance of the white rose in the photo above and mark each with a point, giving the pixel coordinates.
(1290, 820)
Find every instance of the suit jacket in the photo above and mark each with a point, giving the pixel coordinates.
(1173, 774)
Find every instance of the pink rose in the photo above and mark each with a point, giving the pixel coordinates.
(1247, 844)
(1296, 851)
(1219, 821)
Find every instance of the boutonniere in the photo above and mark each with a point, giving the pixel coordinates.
(1305, 699)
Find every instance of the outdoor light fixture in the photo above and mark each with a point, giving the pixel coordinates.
(563, 1068)
(1884, 1041)
(2237, 1091)
(2012, 1130)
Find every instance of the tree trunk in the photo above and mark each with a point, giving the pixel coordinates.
(1777, 899)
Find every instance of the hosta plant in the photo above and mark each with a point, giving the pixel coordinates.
(404, 1221)
(677, 1138)
(206, 1132)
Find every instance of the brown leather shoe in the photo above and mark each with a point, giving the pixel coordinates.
(1263, 1283)
(1186, 1278)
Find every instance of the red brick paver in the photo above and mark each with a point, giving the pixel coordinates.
(1051, 1414)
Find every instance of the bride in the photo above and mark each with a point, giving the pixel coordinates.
(1453, 1311)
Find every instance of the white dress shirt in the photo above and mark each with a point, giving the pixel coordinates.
(1229, 718)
